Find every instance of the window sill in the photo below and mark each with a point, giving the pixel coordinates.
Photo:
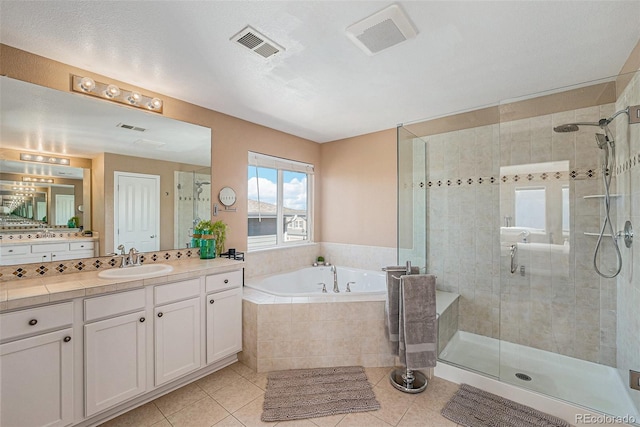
(275, 248)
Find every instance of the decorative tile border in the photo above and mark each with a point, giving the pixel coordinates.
(577, 174)
(630, 163)
(58, 268)
(37, 235)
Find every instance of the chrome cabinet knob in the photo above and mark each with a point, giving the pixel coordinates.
(33, 322)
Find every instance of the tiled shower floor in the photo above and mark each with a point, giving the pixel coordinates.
(577, 381)
(233, 396)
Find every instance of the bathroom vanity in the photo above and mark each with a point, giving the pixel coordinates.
(79, 349)
(25, 251)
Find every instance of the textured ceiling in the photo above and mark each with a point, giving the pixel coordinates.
(466, 54)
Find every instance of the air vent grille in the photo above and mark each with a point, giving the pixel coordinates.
(256, 42)
(250, 40)
(381, 30)
(130, 127)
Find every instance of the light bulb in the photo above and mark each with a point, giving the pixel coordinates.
(87, 84)
(134, 98)
(155, 104)
(112, 91)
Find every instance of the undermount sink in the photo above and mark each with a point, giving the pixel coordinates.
(137, 272)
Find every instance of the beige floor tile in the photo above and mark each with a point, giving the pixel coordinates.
(250, 414)
(204, 412)
(237, 395)
(180, 398)
(163, 423)
(437, 394)
(259, 379)
(219, 379)
(394, 403)
(362, 419)
(375, 375)
(296, 423)
(329, 421)
(142, 416)
(419, 416)
(230, 421)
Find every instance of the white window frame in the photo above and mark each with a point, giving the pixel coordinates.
(280, 165)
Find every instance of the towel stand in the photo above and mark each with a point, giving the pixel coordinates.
(406, 380)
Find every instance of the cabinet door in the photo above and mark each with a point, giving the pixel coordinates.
(224, 324)
(115, 361)
(177, 339)
(36, 381)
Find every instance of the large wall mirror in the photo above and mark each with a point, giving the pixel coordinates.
(103, 142)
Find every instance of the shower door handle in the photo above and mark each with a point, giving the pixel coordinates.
(513, 251)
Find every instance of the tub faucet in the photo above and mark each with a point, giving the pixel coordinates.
(335, 279)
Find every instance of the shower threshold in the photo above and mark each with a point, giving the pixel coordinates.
(577, 381)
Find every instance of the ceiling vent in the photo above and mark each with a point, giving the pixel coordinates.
(256, 42)
(381, 30)
(130, 127)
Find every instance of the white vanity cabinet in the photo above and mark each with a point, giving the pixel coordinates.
(36, 367)
(177, 329)
(224, 315)
(115, 349)
(13, 254)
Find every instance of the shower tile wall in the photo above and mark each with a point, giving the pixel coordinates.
(573, 313)
(628, 301)
(184, 200)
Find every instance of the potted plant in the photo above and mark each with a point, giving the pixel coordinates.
(219, 231)
(73, 222)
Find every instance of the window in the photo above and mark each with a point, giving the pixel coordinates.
(279, 198)
(531, 208)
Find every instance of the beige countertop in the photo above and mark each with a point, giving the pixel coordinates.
(45, 240)
(28, 292)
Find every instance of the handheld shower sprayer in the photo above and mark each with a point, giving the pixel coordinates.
(606, 143)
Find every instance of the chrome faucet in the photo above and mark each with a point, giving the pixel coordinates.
(134, 257)
(335, 279)
(524, 234)
(349, 286)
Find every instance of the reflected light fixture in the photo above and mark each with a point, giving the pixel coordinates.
(37, 179)
(27, 157)
(111, 92)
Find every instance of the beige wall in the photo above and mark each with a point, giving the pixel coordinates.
(358, 190)
(231, 137)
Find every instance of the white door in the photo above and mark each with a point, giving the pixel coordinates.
(64, 208)
(115, 361)
(137, 211)
(224, 324)
(177, 339)
(36, 377)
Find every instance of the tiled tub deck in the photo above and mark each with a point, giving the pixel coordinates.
(311, 332)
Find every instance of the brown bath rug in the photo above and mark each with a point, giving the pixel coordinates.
(473, 407)
(308, 393)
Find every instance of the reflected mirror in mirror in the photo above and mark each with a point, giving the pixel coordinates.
(111, 138)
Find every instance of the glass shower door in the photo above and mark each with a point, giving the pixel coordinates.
(412, 201)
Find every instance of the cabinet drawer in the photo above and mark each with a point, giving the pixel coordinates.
(50, 247)
(33, 320)
(15, 250)
(80, 246)
(177, 291)
(111, 305)
(219, 282)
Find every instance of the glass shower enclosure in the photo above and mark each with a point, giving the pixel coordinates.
(509, 216)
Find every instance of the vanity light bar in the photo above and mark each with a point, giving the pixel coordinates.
(111, 92)
(36, 179)
(44, 159)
